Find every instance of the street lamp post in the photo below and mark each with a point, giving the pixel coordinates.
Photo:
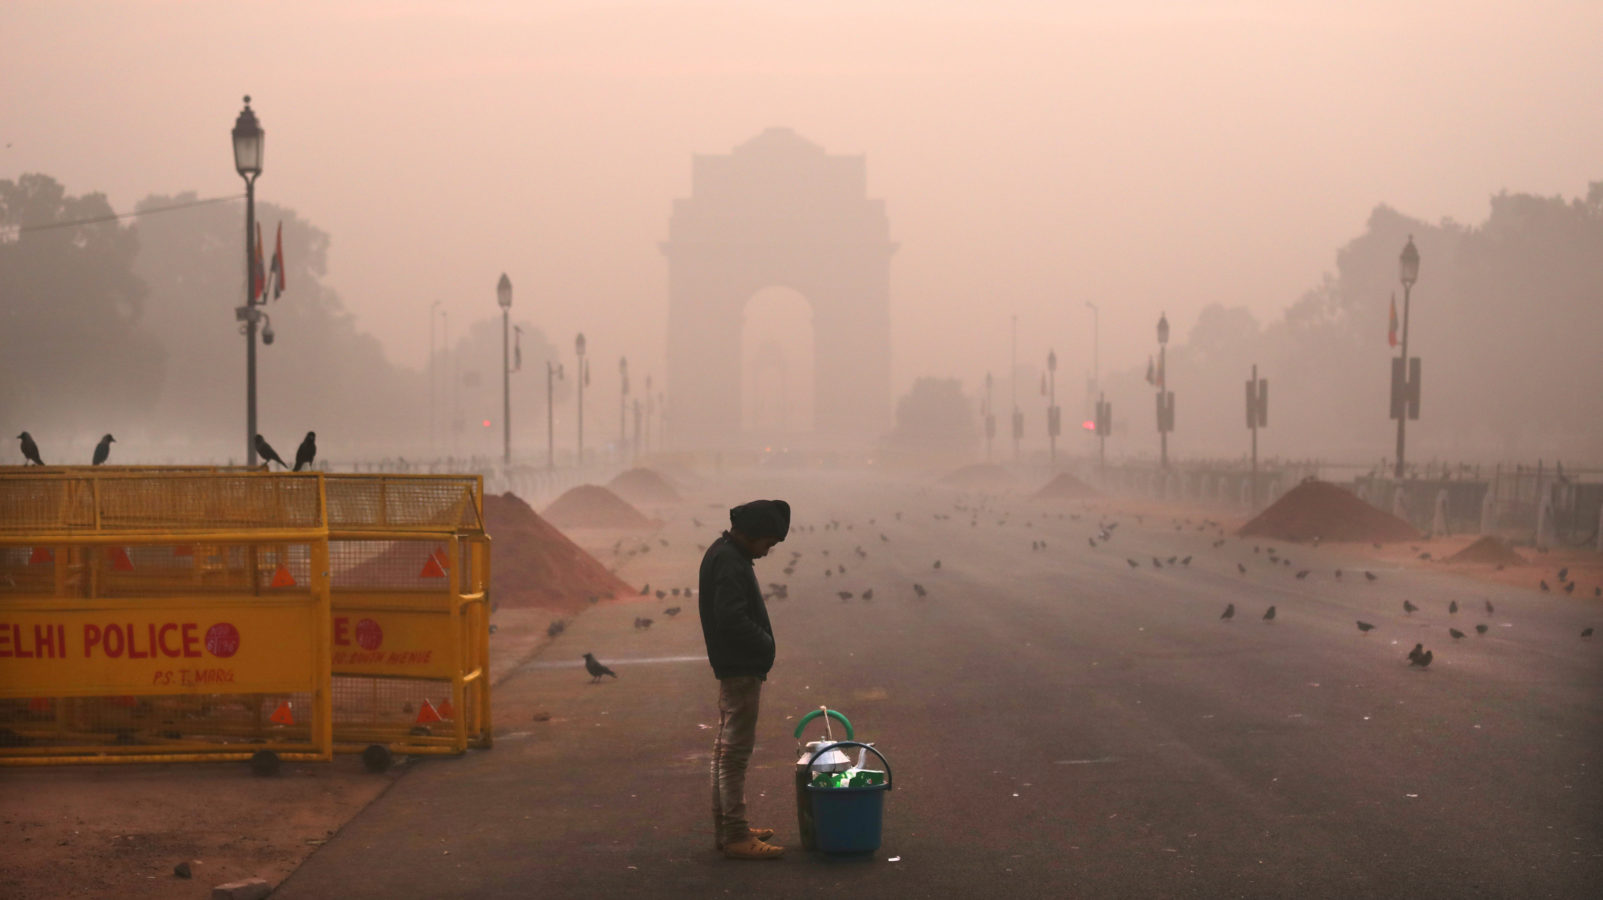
(1165, 396)
(249, 142)
(623, 406)
(636, 445)
(553, 374)
(581, 375)
(1405, 371)
(1096, 350)
(990, 418)
(1257, 417)
(650, 409)
(503, 296)
(1053, 417)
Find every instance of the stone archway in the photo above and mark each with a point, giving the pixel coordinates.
(778, 211)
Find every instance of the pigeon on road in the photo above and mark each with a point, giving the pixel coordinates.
(1455, 633)
(1489, 609)
(1416, 653)
(1241, 568)
(103, 449)
(1422, 660)
(1133, 563)
(30, 450)
(595, 668)
(919, 590)
(1269, 614)
(1481, 628)
(307, 452)
(1370, 575)
(1365, 627)
(1408, 608)
(1230, 611)
(671, 611)
(1452, 606)
(1303, 574)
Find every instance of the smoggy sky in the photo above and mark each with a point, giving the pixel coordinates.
(1145, 155)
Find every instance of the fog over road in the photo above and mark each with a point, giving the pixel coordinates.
(1059, 724)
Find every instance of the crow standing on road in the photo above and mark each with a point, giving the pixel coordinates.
(1416, 653)
(30, 450)
(1422, 660)
(103, 449)
(307, 452)
(596, 669)
(267, 453)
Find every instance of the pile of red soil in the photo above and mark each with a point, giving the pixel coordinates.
(1489, 550)
(534, 564)
(1066, 487)
(1319, 509)
(985, 477)
(644, 486)
(593, 506)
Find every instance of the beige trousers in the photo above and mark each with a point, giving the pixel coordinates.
(731, 752)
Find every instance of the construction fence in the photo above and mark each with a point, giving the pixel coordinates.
(183, 614)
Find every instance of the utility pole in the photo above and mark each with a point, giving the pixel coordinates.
(1013, 384)
(1104, 427)
(990, 418)
(1405, 371)
(1257, 417)
(553, 374)
(1053, 416)
(503, 294)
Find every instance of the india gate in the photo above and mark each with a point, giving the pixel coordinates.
(778, 212)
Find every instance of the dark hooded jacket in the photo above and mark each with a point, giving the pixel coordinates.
(734, 618)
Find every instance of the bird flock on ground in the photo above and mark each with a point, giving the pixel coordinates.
(1106, 529)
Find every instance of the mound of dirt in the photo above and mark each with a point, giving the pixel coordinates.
(1319, 509)
(644, 486)
(1066, 487)
(1490, 550)
(983, 476)
(534, 564)
(593, 506)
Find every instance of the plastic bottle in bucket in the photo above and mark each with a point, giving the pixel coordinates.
(835, 760)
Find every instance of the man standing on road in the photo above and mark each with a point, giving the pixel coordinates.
(740, 646)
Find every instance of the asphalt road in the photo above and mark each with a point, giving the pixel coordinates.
(1059, 725)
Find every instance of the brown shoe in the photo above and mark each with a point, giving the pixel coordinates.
(752, 848)
(761, 834)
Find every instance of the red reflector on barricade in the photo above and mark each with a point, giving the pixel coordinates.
(427, 714)
(41, 555)
(282, 578)
(282, 715)
(119, 559)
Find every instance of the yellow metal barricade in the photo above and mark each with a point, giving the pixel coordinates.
(163, 614)
(410, 638)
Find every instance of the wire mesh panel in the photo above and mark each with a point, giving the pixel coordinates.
(162, 615)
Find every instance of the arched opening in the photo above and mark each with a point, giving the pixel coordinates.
(776, 376)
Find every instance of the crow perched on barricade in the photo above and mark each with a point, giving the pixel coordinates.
(103, 450)
(267, 453)
(307, 452)
(30, 450)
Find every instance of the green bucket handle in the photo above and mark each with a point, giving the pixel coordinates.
(833, 714)
(826, 749)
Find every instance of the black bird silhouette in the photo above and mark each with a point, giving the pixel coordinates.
(1489, 609)
(1481, 628)
(1185, 561)
(1543, 583)
(1416, 653)
(645, 589)
(868, 595)
(1452, 606)
(1408, 608)
(596, 669)
(1303, 574)
(1156, 564)
(1338, 574)
(1269, 614)
(642, 623)
(1586, 632)
(671, 611)
(1170, 560)
(267, 453)
(1365, 627)
(937, 564)
(1092, 542)
(661, 594)
(1133, 563)
(1455, 633)
(1569, 588)
(556, 627)
(1422, 660)
(1425, 555)
(30, 450)
(919, 590)
(103, 449)
(674, 591)
(1241, 568)
(844, 595)
(1230, 611)
(1563, 573)
(1370, 575)
(307, 452)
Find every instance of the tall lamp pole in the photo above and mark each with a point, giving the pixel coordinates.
(1053, 417)
(1096, 352)
(623, 406)
(1165, 396)
(249, 141)
(646, 444)
(990, 418)
(581, 375)
(553, 374)
(503, 296)
(1405, 372)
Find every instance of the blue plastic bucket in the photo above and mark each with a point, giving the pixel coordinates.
(849, 820)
